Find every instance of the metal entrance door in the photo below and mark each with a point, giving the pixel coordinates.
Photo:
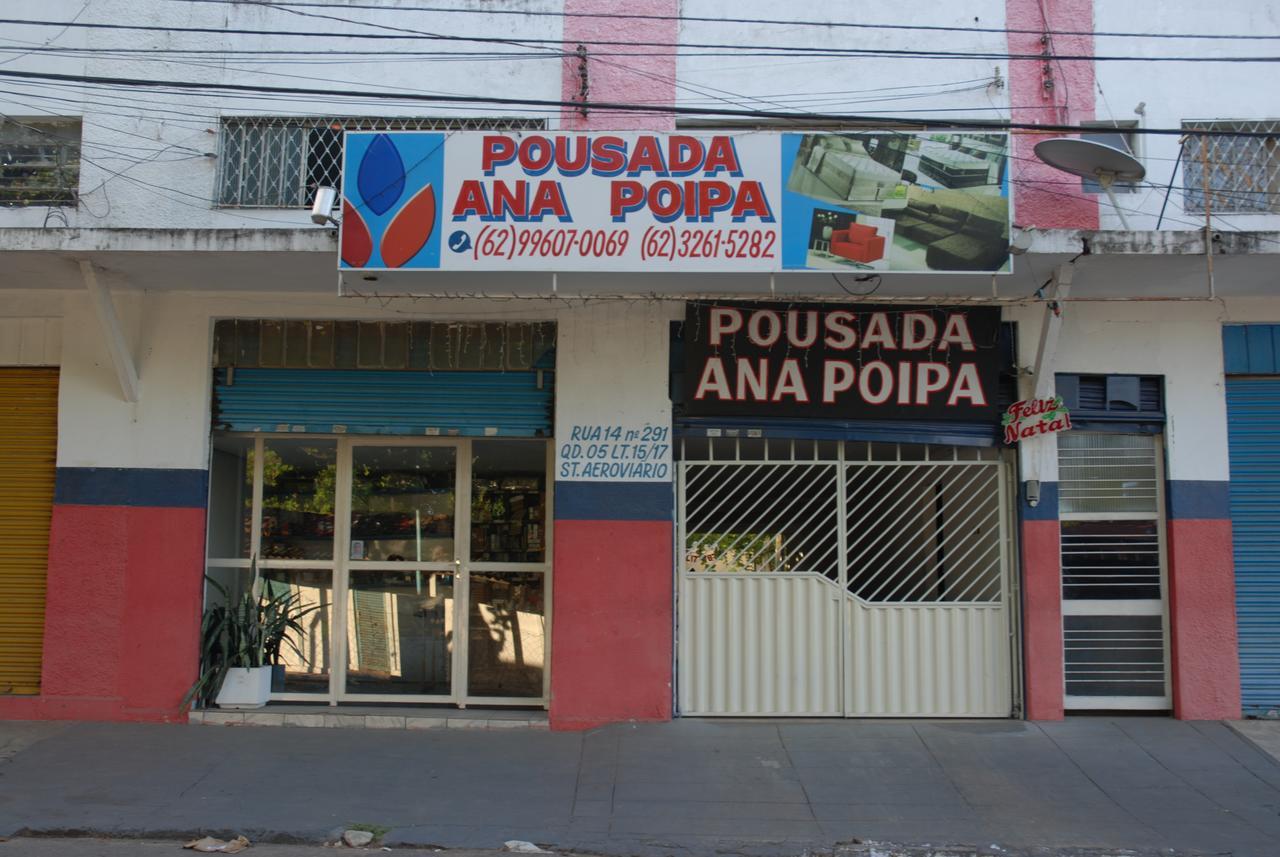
(824, 578)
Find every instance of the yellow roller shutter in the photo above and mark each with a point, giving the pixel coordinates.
(28, 449)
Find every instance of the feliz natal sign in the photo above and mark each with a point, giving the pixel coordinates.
(1035, 417)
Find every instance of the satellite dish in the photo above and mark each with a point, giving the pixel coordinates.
(1087, 159)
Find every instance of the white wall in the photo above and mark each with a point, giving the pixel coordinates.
(1180, 340)
(1174, 92)
(612, 370)
(158, 139)
(612, 364)
(146, 152)
(879, 86)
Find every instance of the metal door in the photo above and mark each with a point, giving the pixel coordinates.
(1116, 651)
(1253, 427)
(825, 578)
(28, 447)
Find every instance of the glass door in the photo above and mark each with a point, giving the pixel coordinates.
(399, 593)
(423, 564)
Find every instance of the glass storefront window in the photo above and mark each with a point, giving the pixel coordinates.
(305, 655)
(507, 634)
(231, 498)
(402, 503)
(400, 632)
(508, 501)
(298, 489)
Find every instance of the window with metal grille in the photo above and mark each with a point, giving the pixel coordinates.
(278, 162)
(1243, 173)
(39, 161)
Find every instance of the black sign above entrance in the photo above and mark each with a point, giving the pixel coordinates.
(834, 361)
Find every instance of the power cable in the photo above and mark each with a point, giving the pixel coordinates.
(764, 21)
(558, 104)
(740, 50)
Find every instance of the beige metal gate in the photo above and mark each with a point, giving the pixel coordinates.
(825, 578)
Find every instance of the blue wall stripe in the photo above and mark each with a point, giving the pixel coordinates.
(614, 501)
(1046, 509)
(131, 486)
(1191, 499)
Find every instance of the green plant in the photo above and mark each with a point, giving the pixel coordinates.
(244, 632)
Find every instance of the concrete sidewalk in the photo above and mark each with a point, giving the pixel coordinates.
(687, 787)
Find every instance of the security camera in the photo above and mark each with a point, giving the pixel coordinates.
(322, 208)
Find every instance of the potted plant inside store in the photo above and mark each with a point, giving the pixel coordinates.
(241, 640)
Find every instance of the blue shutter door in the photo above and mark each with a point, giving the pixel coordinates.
(1253, 425)
(468, 404)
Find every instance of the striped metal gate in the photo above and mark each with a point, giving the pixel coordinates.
(28, 449)
(828, 578)
(1253, 425)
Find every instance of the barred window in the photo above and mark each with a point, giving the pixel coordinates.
(1244, 172)
(278, 162)
(39, 161)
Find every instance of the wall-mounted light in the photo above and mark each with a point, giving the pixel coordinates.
(322, 208)
(1032, 488)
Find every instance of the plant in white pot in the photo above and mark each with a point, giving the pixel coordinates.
(241, 639)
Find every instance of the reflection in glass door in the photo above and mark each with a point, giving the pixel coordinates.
(398, 546)
(401, 563)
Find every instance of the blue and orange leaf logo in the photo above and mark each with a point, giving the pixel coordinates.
(381, 181)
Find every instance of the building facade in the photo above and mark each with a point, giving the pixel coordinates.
(201, 385)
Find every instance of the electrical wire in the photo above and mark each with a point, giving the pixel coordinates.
(211, 86)
(740, 50)
(487, 10)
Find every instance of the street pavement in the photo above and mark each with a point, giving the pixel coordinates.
(690, 787)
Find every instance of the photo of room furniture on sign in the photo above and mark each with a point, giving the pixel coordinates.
(964, 160)
(863, 170)
(843, 239)
(950, 230)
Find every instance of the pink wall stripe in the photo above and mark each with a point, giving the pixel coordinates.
(1040, 196)
(616, 73)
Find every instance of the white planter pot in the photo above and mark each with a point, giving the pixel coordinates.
(245, 687)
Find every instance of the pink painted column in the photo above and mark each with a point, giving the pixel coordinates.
(1052, 93)
(620, 73)
(612, 646)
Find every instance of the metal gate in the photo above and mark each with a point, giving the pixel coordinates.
(1253, 421)
(828, 578)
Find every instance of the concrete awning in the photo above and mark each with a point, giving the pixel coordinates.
(1109, 265)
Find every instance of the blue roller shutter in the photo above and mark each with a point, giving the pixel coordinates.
(475, 404)
(1253, 424)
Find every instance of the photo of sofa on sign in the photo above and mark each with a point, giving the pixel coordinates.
(955, 238)
(858, 242)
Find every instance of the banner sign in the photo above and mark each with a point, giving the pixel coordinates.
(759, 201)
(841, 362)
(1035, 418)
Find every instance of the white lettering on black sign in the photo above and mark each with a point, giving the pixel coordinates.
(840, 362)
